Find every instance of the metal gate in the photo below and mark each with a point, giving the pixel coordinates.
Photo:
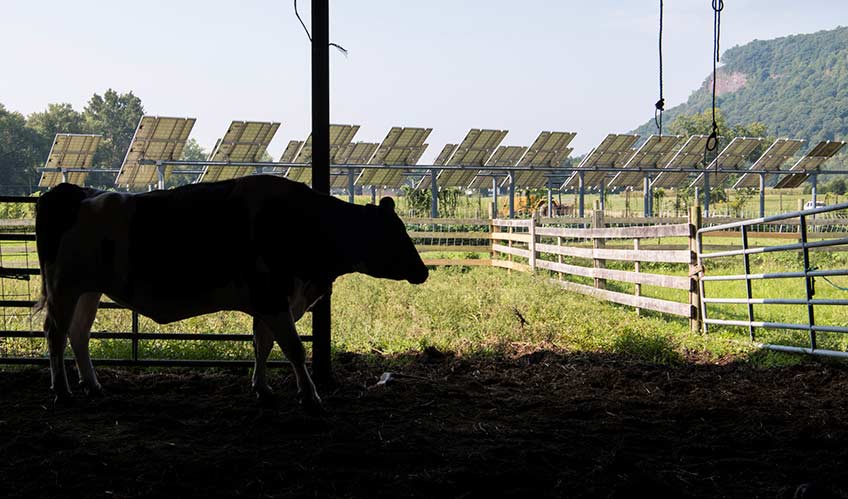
(818, 230)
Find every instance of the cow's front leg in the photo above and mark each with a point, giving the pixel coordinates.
(80, 332)
(263, 342)
(283, 328)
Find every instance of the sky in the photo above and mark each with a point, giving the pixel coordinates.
(523, 66)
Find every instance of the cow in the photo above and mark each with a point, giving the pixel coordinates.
(262, 245)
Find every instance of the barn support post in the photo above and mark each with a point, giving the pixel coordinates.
(434, 195)
(695, 271)
(762, 195)
(511, 179)
(351, 188)
(321, 368)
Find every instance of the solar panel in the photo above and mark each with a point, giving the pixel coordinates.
(244, 141)
(825, 150)
(474, 150)
(503, 156)
(69, 150)
(446, 153)
(355, 153)
(614, 151)
(340, 136)
(549, 150)
(691, 155)
(775, 157)
(731, 157)
(156, 138)
(401, 147)
(655, 152)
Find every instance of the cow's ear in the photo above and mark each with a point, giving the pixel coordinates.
(387, 203)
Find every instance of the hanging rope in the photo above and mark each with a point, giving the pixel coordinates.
(660, 105)
(309, 35)
(712, 140)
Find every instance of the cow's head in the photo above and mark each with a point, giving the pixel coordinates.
(391, 255)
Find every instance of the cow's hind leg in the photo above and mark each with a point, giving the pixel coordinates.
(283, 328)
(263, 342)
(56, 323)
(79, 331)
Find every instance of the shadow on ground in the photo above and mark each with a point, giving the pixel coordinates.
(543, 424)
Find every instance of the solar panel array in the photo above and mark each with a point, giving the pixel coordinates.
(656, 152)
(69, 150)
(730, 158)
(614, 151)
(773, 159)
(691, 155)
(340, 136)
(549, 150)
(812, 160)
(504, 156)
(401, 147)
(244, 141)
(474, 150)
(355, 153)
(156, 138)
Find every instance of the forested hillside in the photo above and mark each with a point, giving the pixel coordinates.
(796, 85)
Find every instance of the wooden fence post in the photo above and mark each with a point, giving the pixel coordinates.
(532, 245)
(637, 267)
(694, 270)
(598, 223)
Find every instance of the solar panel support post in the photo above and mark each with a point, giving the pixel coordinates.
(64, 175)
(550, 197)
(646, 198)
(350, 187)
(495, 196)
(511, 178)
(373, 194)
(434, 195)
(603, 188)
(321, 367)
(814, 180)
(706, 193)
(581, 188)
(160, 175)
(762, 195)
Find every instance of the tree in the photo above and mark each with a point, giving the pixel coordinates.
(57, 118)
(116, 117)
(20, 154)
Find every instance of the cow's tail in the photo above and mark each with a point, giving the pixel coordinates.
(55, 213)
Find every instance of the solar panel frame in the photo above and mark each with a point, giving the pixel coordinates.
(70, 150)
(549, 150)
(657, 150)
(817, 156)
(504, 156)
(730, 158)
(156, 138)
(355, 153)
(244, 141)
(403, 146)
(340, 136)
(474, 150)
(689, 156)
(615, 150)
(777, 155)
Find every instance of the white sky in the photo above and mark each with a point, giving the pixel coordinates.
(524, 66)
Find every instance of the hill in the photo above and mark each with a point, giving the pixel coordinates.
(797, 85)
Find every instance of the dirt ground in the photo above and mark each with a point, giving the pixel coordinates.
(537, 425)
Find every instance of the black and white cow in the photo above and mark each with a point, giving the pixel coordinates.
(262, 245)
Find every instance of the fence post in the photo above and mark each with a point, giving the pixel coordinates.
(598, 223)
(694, 270)
(637, 267)
(532, 245)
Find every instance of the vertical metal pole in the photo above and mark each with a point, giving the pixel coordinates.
(706, 194)
(746, 261)
(603, 192)
(373, 194)
(550, 198)
(160, 173)
(808, 281)
(434, 195)
(762, 195)
(64, 175)
(351, 189)
(495, 196)
(321, 169)
(814, 180)
(511, 179)
(135, 336)
(582, 191)
(646, 197)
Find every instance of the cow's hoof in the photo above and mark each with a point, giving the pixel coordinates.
(311, 404)
(63, 398)
(265, 397)
(93, 392)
